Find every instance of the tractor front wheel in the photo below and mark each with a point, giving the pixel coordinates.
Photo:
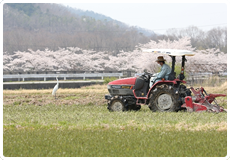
(116, 105)
(164, 99)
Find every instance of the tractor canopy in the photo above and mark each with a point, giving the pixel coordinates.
(170, 52)
(173, 53)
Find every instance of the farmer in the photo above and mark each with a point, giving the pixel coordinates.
(164, 73)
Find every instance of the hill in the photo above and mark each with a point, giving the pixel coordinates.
(39, 26)
(45, 25)
(102, 17)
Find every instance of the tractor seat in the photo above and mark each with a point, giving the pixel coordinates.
(171, 76)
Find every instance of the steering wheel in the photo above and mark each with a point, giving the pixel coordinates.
(147, 75)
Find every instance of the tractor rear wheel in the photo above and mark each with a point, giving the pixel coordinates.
(164, 99)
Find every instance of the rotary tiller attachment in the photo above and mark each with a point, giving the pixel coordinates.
(200, 102)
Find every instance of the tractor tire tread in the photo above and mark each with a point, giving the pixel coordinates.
(156, 93)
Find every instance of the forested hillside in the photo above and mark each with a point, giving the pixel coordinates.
(101, 17)
(53, 26)
(40, 26)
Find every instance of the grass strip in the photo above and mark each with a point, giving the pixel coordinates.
(113, 143)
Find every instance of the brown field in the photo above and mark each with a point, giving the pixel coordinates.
(91, 94)
(85, 95)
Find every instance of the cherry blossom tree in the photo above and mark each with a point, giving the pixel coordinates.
(74, 58)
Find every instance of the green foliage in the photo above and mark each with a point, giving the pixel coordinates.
(17, 103)
(178, 69)
(113, 143)
(84, 127)
(72, 97)
(93, 131)
(109, 79)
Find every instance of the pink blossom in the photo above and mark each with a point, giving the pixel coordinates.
(74, 58)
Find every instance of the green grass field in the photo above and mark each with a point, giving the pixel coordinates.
(78, 124)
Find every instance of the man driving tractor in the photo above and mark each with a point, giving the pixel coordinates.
(164, 73)
(164, 96)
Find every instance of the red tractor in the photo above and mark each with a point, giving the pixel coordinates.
(166, 95)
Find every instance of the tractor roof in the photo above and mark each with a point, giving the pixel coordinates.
(171, 52)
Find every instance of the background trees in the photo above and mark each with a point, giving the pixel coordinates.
(40, 37)
(214, 38)
(73, 58)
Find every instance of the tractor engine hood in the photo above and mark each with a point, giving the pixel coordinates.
(122, 87)
(125, 81)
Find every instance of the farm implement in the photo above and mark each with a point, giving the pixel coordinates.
(202, 101)
(166, 95)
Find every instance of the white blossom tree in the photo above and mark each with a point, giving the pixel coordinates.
(74, 58)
